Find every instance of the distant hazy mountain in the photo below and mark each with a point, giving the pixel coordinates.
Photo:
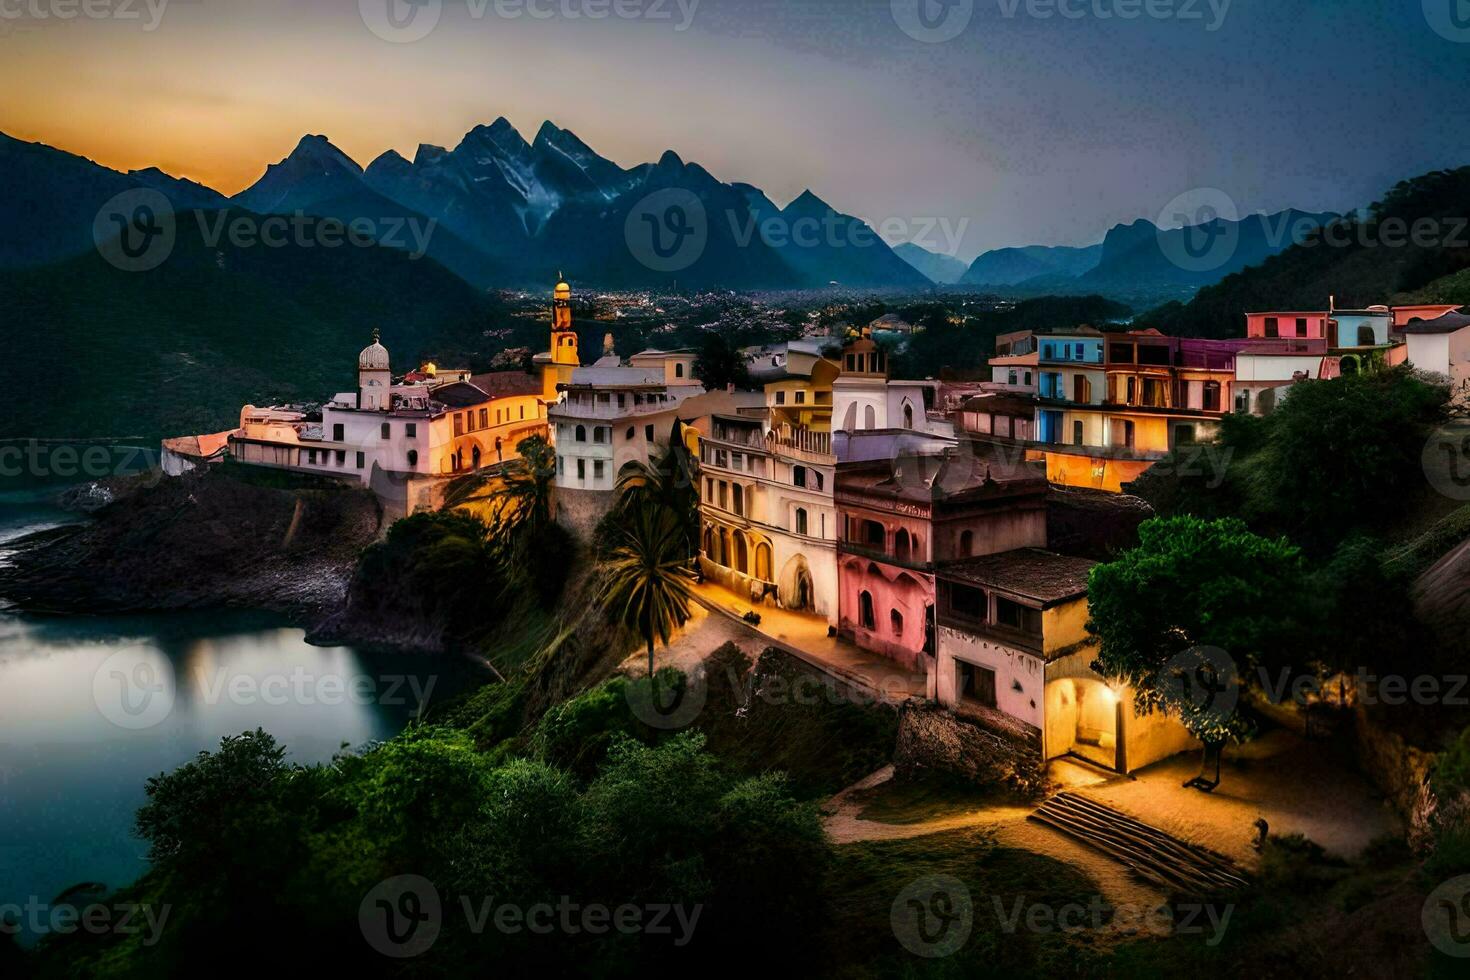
(946, 270)
(1142, 253)
(52, 199)
(1009, 266)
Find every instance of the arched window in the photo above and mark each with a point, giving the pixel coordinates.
(413, 458)
(763, 562)
(742, 555)
(865, 611)
(901, 547)
(679, 369)
(967, 544)
(895, 620)
(870, 418)
(724, 547)
(908, 414)
(800, 521)
(873, 535)
(581, 433)
(1365, 336)
(818, 475)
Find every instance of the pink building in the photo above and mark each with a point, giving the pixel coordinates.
(900, 519)
(1311, 325)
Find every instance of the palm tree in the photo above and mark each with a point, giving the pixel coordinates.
(646, 578)
(670, 482)
(526, 486)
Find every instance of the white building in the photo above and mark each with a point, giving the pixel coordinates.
(1442, 346)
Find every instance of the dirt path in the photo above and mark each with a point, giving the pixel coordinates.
(844, 825)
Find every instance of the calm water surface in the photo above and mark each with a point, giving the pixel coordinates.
(90, 707)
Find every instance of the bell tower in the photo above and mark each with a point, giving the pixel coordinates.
(563, 337)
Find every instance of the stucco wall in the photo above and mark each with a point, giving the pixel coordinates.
(1019, 675)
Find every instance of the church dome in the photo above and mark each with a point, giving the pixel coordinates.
(374, 357)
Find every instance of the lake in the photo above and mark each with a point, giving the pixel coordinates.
(90, 707)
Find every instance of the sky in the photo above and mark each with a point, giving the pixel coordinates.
(984, 124)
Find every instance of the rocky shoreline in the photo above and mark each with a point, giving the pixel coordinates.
(203, 540)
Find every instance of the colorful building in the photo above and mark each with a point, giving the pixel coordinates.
(1013, 653)
(905, 516)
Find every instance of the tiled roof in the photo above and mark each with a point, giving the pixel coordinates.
(1045, 576)
(506, 384)
(1449, 323)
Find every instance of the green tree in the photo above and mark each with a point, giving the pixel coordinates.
(671, 483)
(527, 485)
(1194, 583)
(720, 364)
(647, 584)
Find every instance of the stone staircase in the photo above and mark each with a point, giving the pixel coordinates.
(1149, 852)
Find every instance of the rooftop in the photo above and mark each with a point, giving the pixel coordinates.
(1031, 573)
(1449, 323)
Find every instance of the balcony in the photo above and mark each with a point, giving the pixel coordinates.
(807, 446)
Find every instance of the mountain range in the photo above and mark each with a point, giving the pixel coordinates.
(504, 211)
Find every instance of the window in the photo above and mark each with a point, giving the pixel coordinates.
(1273, 329)
(459, 424)
(341, 457)
(413, 458)
(798, 476)
(602, 434)
(895, 622)
(1365, 336)
(908, 416)
(648, 432)
(1212, 396)
(597, 469)
(622, 399)
(738, 493)
(386, 432)
(780, 398)
(337, 433)
(724, 495)
(901, 546)
(1017, 616)
(361, 460)
(1184, 434)
(523, 412)
(870, 418)
(561, 466)
(1077, 432)
(800, 521)
(679, 369)
(1013, 378)
(485, 418)
(873, 535)
(1028, 378)
(632, 431)
(801, 398)
(865, 611)
(967, 544)
(817, 474)
(411, 430)
(1301, 326)
(311, 455)
(969, 602)
(581, 469)
(581, 433)
(975, 684)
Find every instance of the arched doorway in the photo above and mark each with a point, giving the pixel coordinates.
(795, 586)
(475, 458)
(742, 555)
(763, 562)
(1082, 720)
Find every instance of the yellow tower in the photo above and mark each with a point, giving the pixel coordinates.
(558, 363)
(563, 337)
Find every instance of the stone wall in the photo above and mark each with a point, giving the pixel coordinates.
(993, 749)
